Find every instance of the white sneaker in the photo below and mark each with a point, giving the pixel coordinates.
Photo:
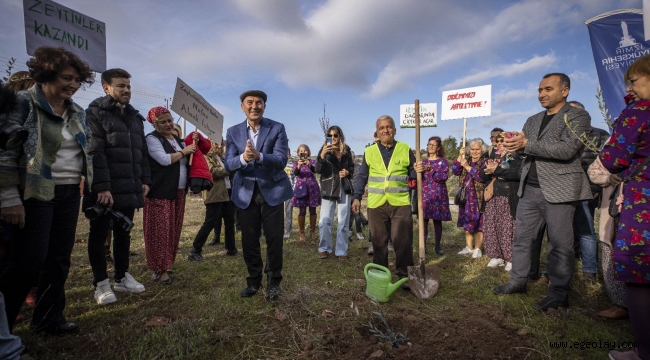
(103, 293)
(287, 235)
(360, 236)
(495, 262)
(508, 266)
(129, 284)
(465, 251)
(477, 254)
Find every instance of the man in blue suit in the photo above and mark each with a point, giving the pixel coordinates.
(256, 151)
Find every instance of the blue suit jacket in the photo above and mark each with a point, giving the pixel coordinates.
(269, 173)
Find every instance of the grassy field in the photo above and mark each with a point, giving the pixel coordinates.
(323, 313)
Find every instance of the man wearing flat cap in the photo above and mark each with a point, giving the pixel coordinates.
(256, 151)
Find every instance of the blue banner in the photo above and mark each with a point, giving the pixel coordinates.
(617, 40)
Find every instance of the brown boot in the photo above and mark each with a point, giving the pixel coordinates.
(301, 227)
(614, 313)
(312, 229)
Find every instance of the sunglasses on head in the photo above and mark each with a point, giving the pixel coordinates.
(333, 135)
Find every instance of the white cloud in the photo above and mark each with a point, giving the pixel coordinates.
(507, 70)
(502, 119)
(510, 95)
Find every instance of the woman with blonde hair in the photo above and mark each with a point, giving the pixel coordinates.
(306, 191)
(336, 166)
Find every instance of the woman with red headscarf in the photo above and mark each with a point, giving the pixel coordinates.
(164, 206)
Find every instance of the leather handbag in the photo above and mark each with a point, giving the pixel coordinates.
(488, 193)
(460, 198)
(613, 206)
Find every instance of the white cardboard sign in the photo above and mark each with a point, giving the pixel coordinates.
(466, 103)
(50, 24)
(193, 107)
(427, 115)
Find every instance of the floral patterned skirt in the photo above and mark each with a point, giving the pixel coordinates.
(498, 229)
(162, 221)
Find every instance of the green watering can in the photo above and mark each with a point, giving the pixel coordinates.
(378, 286)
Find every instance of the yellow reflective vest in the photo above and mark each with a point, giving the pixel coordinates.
(388, 184)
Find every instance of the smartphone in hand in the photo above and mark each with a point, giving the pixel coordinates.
(328, 140)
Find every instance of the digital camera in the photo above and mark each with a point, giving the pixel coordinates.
(98, 210)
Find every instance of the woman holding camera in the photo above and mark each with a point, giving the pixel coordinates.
(306, 191)
(164, 206)
(470, 215)
(39, 187)
(336, 165)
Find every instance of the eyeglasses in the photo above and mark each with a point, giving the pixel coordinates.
(631, 81)
(432, 145)
(333, 135)
(499, 142)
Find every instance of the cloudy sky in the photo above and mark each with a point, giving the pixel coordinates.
(362, 58)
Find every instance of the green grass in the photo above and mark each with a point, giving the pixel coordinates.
(210, 320)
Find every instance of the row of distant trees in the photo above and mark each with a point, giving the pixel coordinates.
(450, 144)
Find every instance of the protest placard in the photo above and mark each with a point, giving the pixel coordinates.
(466, 103)
(50, 24)
(427, 115)
(193, 107)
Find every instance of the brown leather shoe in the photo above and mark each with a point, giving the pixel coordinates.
(614, 313)
(342, 257)
(322, 254)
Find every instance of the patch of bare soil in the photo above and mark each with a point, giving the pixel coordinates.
(482, 333)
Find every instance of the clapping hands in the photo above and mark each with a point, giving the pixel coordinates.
(250, 153)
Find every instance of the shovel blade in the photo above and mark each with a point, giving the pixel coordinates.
(424, 284)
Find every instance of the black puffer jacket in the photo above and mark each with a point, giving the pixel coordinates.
(331, 184)
(119, 151)
(599, 137)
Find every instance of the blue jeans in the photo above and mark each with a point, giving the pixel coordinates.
(583, 223)
(10, 345)
(325, 225)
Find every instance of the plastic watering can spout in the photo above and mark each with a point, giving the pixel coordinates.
(392, 287)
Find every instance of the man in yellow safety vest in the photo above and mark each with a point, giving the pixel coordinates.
(386, 168)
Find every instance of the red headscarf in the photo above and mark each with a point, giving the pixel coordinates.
(155, 112)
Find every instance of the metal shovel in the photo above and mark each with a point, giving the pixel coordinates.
(423, 279)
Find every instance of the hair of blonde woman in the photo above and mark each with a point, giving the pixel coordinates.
(342, 147)
(20, 80)
(179, 129)
(640, 67)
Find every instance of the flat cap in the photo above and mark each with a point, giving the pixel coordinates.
(258, 93)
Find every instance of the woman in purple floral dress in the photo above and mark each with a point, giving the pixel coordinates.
(625, 153)
(470, 216)
(306, 192)
(435, 199)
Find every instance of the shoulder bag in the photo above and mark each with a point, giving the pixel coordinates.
(460, 198)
